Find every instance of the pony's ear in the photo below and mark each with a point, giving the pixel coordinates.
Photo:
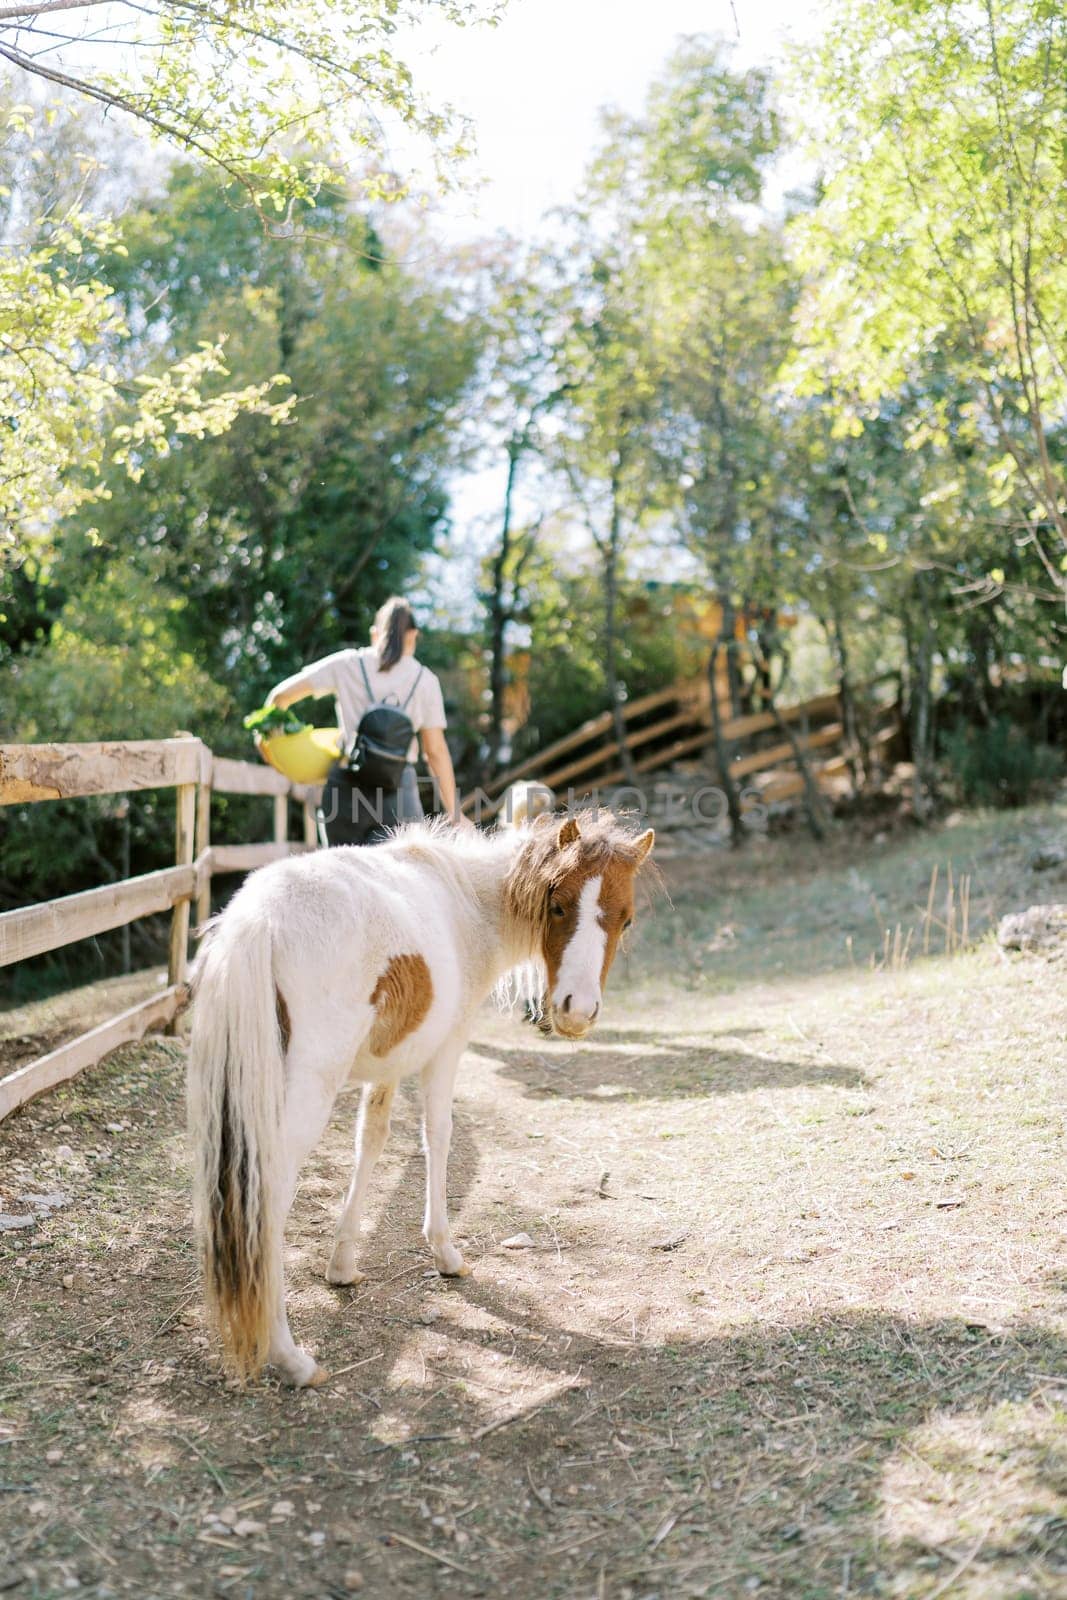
(568, 833)
(644, 845)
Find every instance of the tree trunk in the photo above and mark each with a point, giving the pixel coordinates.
(813, 802)
(722, 752)
(611, 598)
(733, 670)
(856, 752)
(921, 707)
(498, 621)
(979, 688)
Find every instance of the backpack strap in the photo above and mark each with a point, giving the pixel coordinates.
(366, 680)
(411, 691)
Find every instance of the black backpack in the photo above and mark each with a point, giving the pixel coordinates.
(379, 751)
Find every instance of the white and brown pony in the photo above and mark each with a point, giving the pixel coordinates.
(524, 802)
(367, 965)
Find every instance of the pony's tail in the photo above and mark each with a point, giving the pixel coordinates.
(235, 1095)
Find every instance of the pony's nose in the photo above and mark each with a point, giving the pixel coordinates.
(567, 1005)
(583, 1015)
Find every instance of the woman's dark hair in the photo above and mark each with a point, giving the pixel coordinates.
(392, 623)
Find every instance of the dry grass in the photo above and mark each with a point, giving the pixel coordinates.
(794, 1322)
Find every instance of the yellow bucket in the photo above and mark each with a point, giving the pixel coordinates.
(302, 757)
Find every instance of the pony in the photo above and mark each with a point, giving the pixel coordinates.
(367, 965)
(524, 802)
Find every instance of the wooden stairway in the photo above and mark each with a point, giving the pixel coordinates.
(674, 724)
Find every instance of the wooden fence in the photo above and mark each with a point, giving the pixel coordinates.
(675, 724)
(41, 772)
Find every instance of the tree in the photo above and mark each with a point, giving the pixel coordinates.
(283, 97)
(715, 294)
(71, 400)
(275, 545)
(524, 384)
(601, 449)
(279, 94)
(938, 230)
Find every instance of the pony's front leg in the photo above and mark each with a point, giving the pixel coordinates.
(372, 1130)
(437, 1082)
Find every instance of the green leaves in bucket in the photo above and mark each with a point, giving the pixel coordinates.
(270, 720)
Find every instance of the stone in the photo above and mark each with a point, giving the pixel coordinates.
(1040, 928)
(54, 1201)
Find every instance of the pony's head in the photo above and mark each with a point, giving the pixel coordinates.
(571, 888)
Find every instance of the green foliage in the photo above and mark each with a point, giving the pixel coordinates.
(75, 403)
(282, 95)
(567, 679)
(268, 94)
(1000, 765)
(936, 245)
(180, 595)
(273, 546)
(274, 719)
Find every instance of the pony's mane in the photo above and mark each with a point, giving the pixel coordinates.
(540, 864)
(531, 864)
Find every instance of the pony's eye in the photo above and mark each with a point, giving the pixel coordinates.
(556, 909)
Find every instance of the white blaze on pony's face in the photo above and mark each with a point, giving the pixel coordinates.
(589, 909)
(575, 995)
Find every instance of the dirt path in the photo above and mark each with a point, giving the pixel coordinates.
(793, 1322)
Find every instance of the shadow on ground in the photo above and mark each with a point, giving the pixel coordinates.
(500, 1436)
(655, 1066)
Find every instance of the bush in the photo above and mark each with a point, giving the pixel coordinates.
(1000, 765)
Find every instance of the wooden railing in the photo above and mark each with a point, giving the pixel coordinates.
(591, 756)
(41, 772)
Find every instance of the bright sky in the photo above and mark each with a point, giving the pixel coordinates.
(534, 85)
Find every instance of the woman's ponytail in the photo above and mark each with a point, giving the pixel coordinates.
(392, 624)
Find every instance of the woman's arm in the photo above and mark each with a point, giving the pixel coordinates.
(298, 687)
(439, 761)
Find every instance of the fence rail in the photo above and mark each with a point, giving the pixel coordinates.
(43, 772)
(682, 730)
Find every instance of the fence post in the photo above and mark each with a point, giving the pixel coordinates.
(203, 839)
(281, 819)
(184, 841)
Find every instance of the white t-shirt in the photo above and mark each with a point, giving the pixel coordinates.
(342, 676)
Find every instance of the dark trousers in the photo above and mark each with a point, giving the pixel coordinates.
(351, 815)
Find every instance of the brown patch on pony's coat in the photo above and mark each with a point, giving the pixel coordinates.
(285, 1026)
(401, 998)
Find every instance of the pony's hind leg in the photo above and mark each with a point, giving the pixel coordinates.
(372, 1130)
(309, 1097)
(437, 1082)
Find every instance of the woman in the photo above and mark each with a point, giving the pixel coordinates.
(385, 672)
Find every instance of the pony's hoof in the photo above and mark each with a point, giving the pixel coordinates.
(341, 1270)
(298, 1369)
(453, 1269)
